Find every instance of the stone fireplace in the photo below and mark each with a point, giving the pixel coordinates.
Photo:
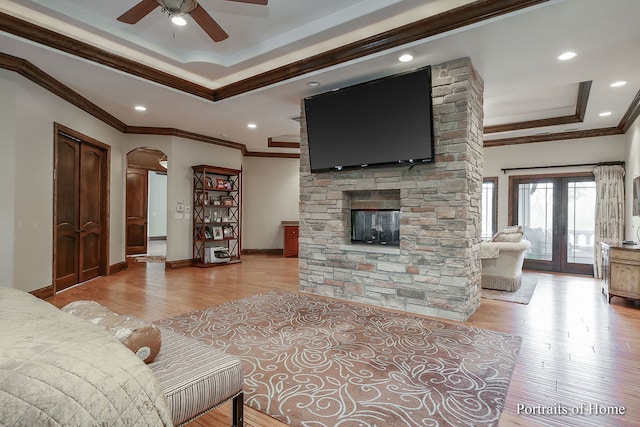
(435, 269)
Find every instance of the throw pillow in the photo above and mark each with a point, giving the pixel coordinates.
(512, 233)
(139, 336)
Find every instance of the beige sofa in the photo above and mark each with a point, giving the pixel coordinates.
(502, 260)
(59, 369)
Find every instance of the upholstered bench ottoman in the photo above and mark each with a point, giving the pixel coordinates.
(196, 378)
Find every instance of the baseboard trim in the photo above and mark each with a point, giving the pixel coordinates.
(262, 252)
(43, 293)
(181, 263)
(116, 268)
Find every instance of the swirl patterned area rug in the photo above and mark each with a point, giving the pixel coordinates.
(310, 361)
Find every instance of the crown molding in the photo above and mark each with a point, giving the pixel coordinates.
(39, 77)
(274, 155)
(459, 17)
(271, 142)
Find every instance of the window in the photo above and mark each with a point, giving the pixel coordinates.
(489, 207)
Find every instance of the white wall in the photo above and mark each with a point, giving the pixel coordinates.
(28, 144)
(632, 167)
(182, 154)
(7, 176)
(271, 194)
(157, 205)
(28, 113)
(570, 152)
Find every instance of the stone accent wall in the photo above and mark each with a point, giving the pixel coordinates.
(436, 270)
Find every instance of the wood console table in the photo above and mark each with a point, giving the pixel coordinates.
(621, 271)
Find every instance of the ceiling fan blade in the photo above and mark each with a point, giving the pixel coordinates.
(137, 12)
(262, 2)
(208, 24)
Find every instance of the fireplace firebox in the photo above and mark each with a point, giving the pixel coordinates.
(375, 227)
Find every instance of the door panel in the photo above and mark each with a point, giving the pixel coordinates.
(66, 213)
(91, 199)
(137, 186)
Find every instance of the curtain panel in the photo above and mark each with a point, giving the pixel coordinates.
(609, 227)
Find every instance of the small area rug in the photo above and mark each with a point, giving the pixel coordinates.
(521, 296)
(150, 258)
(314, 362)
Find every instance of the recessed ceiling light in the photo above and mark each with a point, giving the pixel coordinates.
(140, 108)
(405, 58)
(618, 84)
(313, 84)
(567, 55)
(605, 114)
(252, 126)
(179, 20)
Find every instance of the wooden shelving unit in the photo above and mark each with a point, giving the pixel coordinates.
(217, 213)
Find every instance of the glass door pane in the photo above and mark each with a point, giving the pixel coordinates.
(581, 200)
(535, 214)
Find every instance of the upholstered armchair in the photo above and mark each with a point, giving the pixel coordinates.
(502, 260)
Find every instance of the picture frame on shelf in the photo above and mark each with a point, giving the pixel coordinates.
(208, 182)
(217, 233)
(227, 232)
(227, 201)
(220, 184)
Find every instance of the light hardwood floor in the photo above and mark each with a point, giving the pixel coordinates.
(578, 351)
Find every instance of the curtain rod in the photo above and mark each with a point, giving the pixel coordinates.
(505, 170)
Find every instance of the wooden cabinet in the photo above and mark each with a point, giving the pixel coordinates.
(290, 248)
(216, 215)
(621, 271)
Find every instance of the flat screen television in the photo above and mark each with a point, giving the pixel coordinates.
(383, 122)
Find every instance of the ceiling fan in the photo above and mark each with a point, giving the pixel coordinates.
(179, 8)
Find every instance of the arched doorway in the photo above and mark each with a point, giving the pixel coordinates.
(146, 206)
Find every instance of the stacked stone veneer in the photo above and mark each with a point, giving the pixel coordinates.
(436, 270)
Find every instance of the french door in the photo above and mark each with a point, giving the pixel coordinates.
(80, 233)
(557, 214)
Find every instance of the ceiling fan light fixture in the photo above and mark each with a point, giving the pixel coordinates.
(178, 20)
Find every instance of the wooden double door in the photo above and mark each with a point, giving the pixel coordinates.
(81, 202)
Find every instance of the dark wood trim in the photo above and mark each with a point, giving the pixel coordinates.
(631, 115)
(39, 77)
(262, 252)
(584, 89)
(274, 155)
(459, 17)
(43, 293)
(144, 130)
(182, 263)
(118, 267)
(590, 133)
(282, 144)
(35, 33)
